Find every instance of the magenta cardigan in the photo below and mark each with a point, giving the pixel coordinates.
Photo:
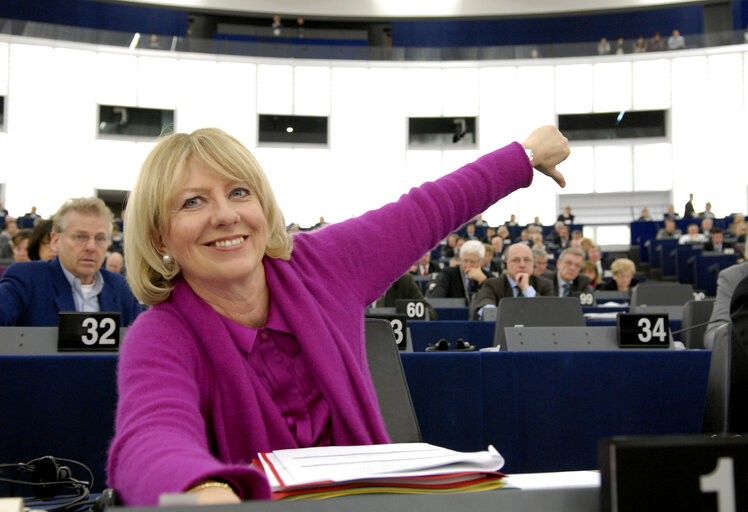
(187, 408)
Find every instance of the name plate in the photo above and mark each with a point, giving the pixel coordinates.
(413, 309)
(674, 473)
(637, 330)
(88, 332)
(399, 326)
(587, 299)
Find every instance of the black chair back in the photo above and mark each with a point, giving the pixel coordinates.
(695, 313)
(386, 370)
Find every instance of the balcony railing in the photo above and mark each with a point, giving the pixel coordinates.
(337, 49)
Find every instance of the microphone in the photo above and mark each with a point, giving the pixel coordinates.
(696, 326)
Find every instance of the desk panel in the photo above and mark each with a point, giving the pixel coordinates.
(545, 411)
(58, 405)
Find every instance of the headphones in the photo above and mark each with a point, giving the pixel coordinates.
(50, 481)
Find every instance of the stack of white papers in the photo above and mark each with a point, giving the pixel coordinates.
(312, 466)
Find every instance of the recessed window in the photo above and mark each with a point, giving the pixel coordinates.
(136, 122)
(293, 129)
(627, 124)
(441, 131)
(2, 113)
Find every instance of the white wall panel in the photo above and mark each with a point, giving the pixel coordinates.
(422, 165)
(117, 79)
(612, 86)
(74, 99)
(423, 92)
(197, 97)
(236, 101)
(4, 49)
(348, 124)
(653, 167)
(312, 90)
(651, 84)
(498, 107)
(156, 82)
(691, 121)
(573, 89)
(579, 170)
(613, 168)
(461, 91)
(274, 89)
(535, 93)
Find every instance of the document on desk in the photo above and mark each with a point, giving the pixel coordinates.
(319, 465)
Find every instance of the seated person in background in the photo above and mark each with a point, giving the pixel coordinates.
(540, 263)
(737, 220)
(566, 279)
(470, 233)
(554, 236)
(669, 232)
(489, 266)
(645, 215)
(454, 261)
(404, 288)
(717, 243)
(595, 255)
(424, 266)
(536, 241)
(739, 318)
(503, 232)
(693, 236)
(524, 238)
(566, 216)
(512, 221)
(589, 269)
(623, 276)
(40, 247)
(490, 233)
(564, 239)
(707, 213)
(462, 280)
(448, 251)
(707, 224)
(498, 252)
(114, 262)
(517, 281)
(20, 245)
(478, 221)
(34, 292)
(586, 244)
(670, 213)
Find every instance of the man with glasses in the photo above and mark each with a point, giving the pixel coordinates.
(517, 281)
(33, 293)
(568, 281)
(465, 279)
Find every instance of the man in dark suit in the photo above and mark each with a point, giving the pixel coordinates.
(717, 242)
(688, 211)
(567, 279)
(517, 281)
(33, 293)
(424, 266)
(465, 279)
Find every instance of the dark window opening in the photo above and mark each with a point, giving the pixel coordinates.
(133, 121)
(441, 131)
(293, 129)
(613, 125)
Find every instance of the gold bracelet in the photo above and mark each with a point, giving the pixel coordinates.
(210, 483)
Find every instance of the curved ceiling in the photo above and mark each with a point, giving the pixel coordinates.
(408, 8)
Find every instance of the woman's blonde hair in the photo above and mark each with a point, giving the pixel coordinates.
(623, 265)
(147, 216)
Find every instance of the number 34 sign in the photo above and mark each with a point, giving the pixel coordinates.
(88, 332)
(643, 331)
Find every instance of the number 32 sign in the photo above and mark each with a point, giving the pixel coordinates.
(88, 332)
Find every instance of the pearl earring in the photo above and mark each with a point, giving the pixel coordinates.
(166, 258)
